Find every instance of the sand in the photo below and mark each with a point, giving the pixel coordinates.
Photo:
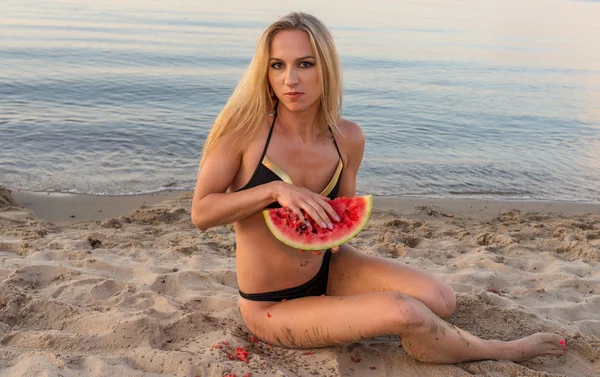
(136, 290)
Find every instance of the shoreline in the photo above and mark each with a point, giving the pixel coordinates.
(65, 208)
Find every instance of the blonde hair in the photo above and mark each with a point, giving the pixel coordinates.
(253, 97)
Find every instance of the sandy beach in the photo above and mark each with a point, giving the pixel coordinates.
(127, 286)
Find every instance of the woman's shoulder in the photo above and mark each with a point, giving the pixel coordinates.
(349, 133)
(240, 141)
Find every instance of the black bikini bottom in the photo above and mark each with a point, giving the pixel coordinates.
(316, 286)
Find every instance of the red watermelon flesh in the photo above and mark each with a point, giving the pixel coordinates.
(287, 227)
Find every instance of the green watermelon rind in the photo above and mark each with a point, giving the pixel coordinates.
(322, 246)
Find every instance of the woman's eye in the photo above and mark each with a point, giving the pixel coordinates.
(279, 65)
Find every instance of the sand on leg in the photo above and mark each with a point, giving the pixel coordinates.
(352, 271)
(313, 322)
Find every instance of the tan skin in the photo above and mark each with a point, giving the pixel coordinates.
(366, 296)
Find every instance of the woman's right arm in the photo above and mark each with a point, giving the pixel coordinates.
(211, 205)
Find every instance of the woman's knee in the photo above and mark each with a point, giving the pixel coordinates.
(410, 314)
(405, 313)
(446, 301)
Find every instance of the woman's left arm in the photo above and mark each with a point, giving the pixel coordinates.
(352, 147)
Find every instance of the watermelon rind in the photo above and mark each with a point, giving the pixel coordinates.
(368, 199)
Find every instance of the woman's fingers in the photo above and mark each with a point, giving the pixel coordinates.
(330, 211)
(315, 206)
(298, 212)
(317, 213)
(324, 211)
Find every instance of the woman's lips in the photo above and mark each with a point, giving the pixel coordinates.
(293, 95)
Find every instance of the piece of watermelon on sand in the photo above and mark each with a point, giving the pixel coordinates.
(287, 227)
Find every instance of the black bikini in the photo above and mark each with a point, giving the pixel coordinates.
(268, 171)
(316, 286)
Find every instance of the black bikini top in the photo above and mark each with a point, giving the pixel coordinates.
(269, 171)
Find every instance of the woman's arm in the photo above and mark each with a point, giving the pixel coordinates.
(352, 147)
(211, 205)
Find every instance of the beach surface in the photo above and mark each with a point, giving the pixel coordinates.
(127, 286)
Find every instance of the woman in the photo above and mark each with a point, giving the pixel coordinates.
(280, 141)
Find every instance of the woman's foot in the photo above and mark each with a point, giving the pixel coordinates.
(538, 344)
(438, 342)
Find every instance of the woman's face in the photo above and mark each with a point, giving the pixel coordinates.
(293, 72)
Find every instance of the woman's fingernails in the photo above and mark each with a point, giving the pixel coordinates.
(323, 225)
(330, 226)
(337, 218)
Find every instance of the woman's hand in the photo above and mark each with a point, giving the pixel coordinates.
(314, 205)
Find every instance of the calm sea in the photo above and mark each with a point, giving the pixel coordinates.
(468, 98)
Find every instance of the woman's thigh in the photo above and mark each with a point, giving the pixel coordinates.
(354, 272)
(322, 321)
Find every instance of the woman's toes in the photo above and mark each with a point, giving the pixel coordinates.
(554, 338)
(556, 341)
(557, 352)
(556, 345)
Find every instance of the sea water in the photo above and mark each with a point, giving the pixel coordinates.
(472, 98)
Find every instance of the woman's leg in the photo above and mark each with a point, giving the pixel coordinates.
(329, 320)
(353, 272)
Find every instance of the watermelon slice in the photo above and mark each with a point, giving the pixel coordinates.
(285, 225)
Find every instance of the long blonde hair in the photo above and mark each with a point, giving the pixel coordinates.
(244, 112)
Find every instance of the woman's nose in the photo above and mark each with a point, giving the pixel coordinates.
(291, 77)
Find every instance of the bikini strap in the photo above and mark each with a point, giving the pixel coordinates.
(335, 143)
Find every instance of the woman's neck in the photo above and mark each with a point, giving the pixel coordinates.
(305, 124)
